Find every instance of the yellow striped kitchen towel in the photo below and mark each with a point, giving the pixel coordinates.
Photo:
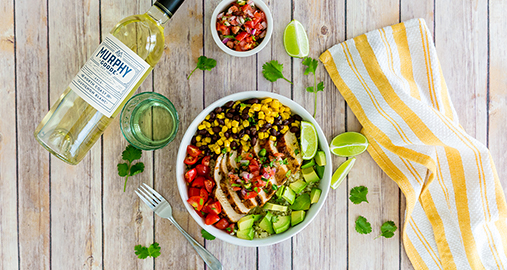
(456, 215)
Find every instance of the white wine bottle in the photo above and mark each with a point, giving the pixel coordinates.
(104, 84)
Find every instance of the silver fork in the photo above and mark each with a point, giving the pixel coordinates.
(162, 208)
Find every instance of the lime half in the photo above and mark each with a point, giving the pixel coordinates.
(342, 172)
(309, 140)
(295, 40)
(348, 144)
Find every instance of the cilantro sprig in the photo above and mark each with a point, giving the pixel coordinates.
(358, 195)
(127, 169)
(206, 235)
(362, 225)
(387, 229)
(144, 252)
(272, 71)
(311, 68)
(204, 63)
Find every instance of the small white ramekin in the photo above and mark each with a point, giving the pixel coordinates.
(222, 8)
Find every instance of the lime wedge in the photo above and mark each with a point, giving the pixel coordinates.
(295, 40)
(342, 172)
(348, 144)
(309, 140)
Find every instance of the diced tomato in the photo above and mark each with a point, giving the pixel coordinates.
(194, 192)
(215, 207)
(190, 160)
(205, 160)
(200, 213)
(193, 151)
(197, 202)
(250, 194)
(250, 24)
(246, 8)
(236, 188)
(232, 9)
(222, 224)
(259, 27)
(280, 155)
(259, 14)
(209, 184)
(230, 228)
(190, 175)
(235, 29)
(202, 170)
(253, 166)
(211, 218)
(206, 208)
(260, 183)
(256, 20)
(203, 193)
(241, 36)
(198, 182)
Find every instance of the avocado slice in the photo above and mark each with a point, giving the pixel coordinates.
(320, 158)
(279, 191)
(302, 202)
(310, 175)
(282, 224)
(308, 164)
(247, 234)
(320, 171)
(298, 186)
(246, 222)
(256, 217)
(266, 224)
(297, 217)
(275, 207)
(289, 195)
(315, 195)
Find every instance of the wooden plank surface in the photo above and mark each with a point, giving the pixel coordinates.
(43, 45)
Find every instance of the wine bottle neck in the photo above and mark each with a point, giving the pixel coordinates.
(159, 15)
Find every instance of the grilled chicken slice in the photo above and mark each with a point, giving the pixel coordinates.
(289, 146)
(231, 166)
(227, 209)
(281, 169)
(241, 205)
(263, 196)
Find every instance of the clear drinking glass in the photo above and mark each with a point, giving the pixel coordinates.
(149, 121)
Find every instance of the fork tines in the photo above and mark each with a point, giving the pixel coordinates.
(149, 195)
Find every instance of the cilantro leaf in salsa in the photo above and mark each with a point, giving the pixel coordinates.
(144, 252)
(204, 63)
(272, 71)
(358, 194)
(362, 225)
(127, 169)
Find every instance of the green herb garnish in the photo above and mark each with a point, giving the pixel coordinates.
(206, 235)
(288, 174)
(358, 194)
(204, 63)
(272, 71)
(387, 229)
(145, 252)
(362, 225)
(274, 187)
(311, 68)
(128, 169)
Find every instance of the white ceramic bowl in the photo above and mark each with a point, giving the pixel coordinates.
(273, 239)
(221, 8)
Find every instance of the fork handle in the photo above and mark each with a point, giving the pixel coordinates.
(207, 257)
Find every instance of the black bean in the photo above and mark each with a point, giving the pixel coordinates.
(235, 136)
(234, 144)
(294, 129)
(241, 133)
(273, 131)
(267, 125)
(232, 111)
(247, 132)
(229, 104)
(221, 121)
(278, 133)
(252, 101)
(254, 141)
(212, 115)
(263, 129)
(253, 130)
(218, 110)
(229, 115)
(244, 116)
(207, 152)
(297, 117)
(202, 132)
(203, 147)
(276, 121)
(236, 117)
(194, 140)
(217, 129)
(227, 134)
(285, 122)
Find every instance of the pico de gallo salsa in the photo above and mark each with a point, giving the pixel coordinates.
(242, 26)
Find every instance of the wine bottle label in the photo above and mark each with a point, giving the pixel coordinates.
(109, 75)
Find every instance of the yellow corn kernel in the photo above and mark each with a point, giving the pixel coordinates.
(234, 130)
(211, 131)
(275, 128)
(217, 151)
(282, 109)
(201, 127)
(261, 136)
(208, 140)
(270, 119)
(227, 120)
(245, 137)
(285, 129)
(228, 125)
(285, 116)
(204, 143)
(220, 116)
(256, 107)
(228, 149)
(275, 104)
(267, 100)
(294, 124)
(261, 122)
(261, 115)
(246, 123)
(227, 144)
(221, 134)
(208, 125)
(207, 117)
(235, 124)
(220, 142)
(224, 128)
(198, 138)
(273, 138)
(246, 148)
(198, 144)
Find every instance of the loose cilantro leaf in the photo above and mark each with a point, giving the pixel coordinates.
(311, 68)
(388, 229)
(145, 252)
(362, 225)
(206, 235)
(272, 71)
(204, 63)
(128, 169)
(358, 194)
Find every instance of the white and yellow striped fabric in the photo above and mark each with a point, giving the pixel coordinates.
(456, 215)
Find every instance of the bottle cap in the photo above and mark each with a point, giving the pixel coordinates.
(169, 6)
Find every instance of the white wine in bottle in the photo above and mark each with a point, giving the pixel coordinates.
(104, 84)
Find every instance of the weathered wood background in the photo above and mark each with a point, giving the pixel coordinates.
(56, 216)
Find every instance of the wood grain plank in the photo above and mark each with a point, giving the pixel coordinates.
(408, 10)
(33, 160)
(498, 88)
(229, 77)
(8, 166)
(323, 244)
(277, 256)
(463, 51)
(383, 195)
(79, 186)
(183, 46)
(127, 221)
